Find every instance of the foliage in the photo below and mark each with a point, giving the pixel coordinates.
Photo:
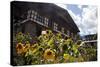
(89, 53)
(47, 49)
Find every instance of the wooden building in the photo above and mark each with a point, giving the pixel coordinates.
(36, 17)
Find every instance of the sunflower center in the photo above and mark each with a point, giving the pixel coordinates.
(19, 46)
(40, 49)
(26, 46)
(49, 53)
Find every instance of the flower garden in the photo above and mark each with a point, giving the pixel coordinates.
(49, 48)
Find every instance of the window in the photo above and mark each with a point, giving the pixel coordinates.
(46, 21)
(35, 16)
(55, 26)
(38, 18)
(42, 19)
(62, 30)
(29, 14)
(32, 15)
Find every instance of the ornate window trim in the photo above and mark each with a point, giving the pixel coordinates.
(55, 26)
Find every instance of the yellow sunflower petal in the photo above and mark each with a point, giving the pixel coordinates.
(49, 55)
(66, 56)
(20, 48)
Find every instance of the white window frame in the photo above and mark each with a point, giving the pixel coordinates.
(55, 26)
(35, 16)
(46, 21)
(32, 16)
(29, 14)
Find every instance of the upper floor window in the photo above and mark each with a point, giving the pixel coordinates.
(46, 21)
(29, 14)
(32, 15)
(38, 18)
(55, 26)
(35, 15)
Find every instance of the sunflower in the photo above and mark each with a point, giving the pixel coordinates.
(26, 47)
(34, 45)
(49, 55)
(66, 56)
(20, 48)
(40, 48)
(34, 48)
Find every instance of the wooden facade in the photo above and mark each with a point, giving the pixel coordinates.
(35, 17)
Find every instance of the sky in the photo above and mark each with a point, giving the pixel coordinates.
(85, 17)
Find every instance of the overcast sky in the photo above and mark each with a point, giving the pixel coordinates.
(85, 17)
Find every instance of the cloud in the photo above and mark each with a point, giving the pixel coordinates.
(87, 24)
(86, 21)
(79, 6)
(89, 19)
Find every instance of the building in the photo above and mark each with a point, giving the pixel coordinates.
(36, 17)
(33, 18)
(90, 40)
(90, 37)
